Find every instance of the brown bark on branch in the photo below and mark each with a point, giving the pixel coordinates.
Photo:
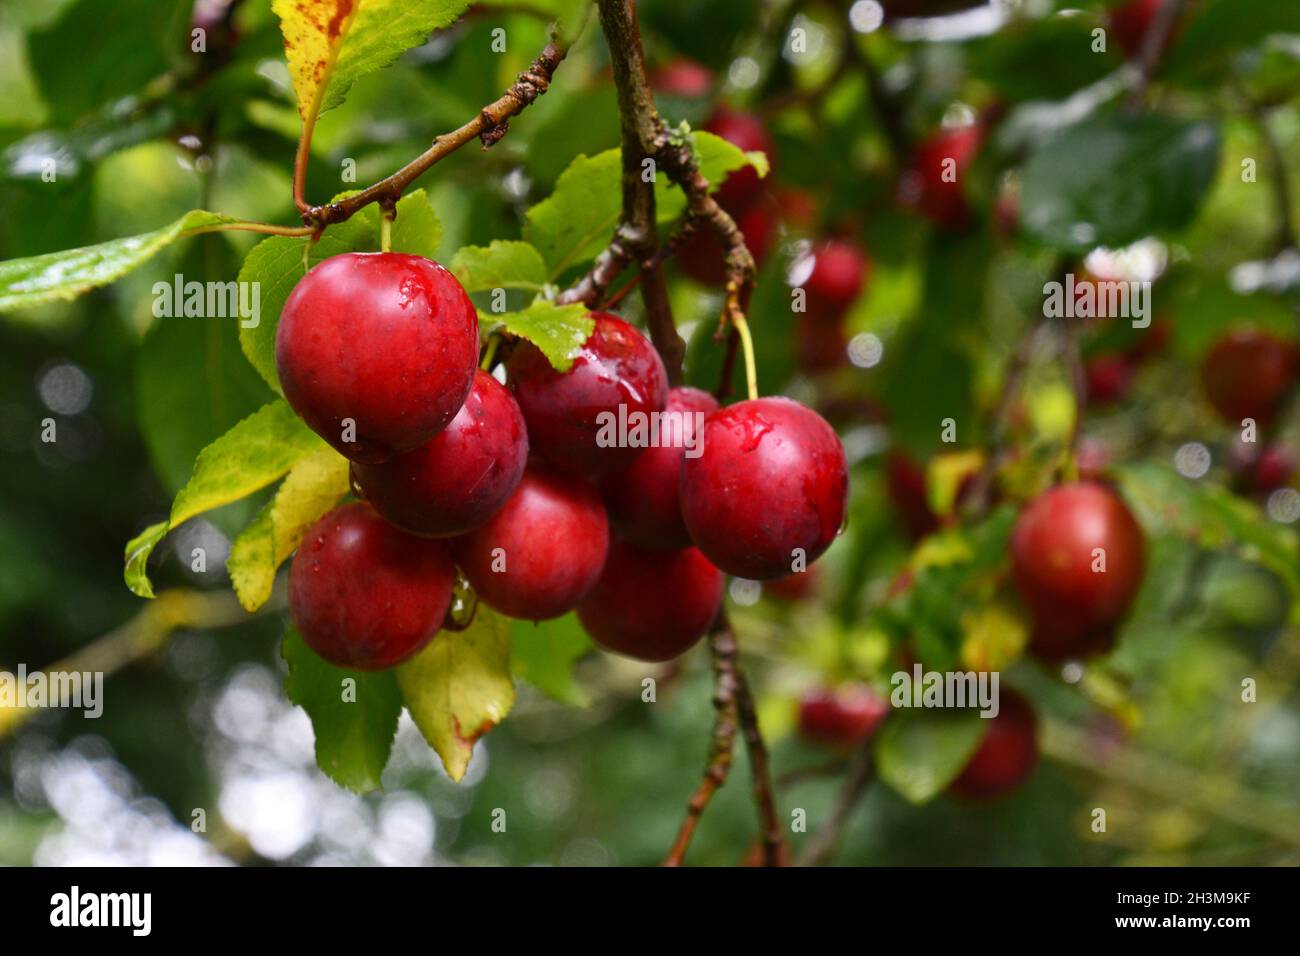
(823, 843)
(735, 711)
(648, 148)
(773, 839)
(645, 137)
(719, 761)
(491, 123)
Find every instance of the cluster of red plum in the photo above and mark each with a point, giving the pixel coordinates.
(516, 487)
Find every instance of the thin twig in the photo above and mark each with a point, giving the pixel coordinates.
(719, 761)
(489, 126)
(646, 137)
(823, 843)
(772, 835)
(978, 498)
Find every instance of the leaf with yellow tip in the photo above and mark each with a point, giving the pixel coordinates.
(331, 43)
(459, 687)
(313, 486)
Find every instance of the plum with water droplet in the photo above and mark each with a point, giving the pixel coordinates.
(769, 491)
(377, 351)
(458, 479)
(652, 605)
(643, 499)
(540, 554)
(364, 594)
(574, 417)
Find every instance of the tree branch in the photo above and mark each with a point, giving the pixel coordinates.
(772, 834)
(855, 784)
(719, 761)
(489, 126)
(636, 239)
(645, 137)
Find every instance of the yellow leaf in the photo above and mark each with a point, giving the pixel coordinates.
(314, 31)
(459, 687)
(994, 636)
(313, 486)
(945, 475)
(330, 43)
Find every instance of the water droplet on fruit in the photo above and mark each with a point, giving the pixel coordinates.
(754, 429)
(464, 602)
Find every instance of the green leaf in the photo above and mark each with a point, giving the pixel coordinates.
(578, 219)
(416, 230)
(504, 264)
(1220, 31)
(1011, 59)
(192, 384)
(138, 550)
(570, 14)
(250, 456)
(314, 485)
(331, 43)
(920, 752)
(143, 44)
(927, 350)
(72, 272)
(544, 652)
(353, 714)
(277, 264)
(1211, 516)
(558, 330)
(459, 687)
(1115, 178)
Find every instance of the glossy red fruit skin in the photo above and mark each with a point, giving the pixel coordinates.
(652, 605)
(1246, 373)
(746, 131)
(1075, 608)
(1006, 756)
(772, 478)
(843, 718)
(839, 274)
(553, 536)
(387, 340)
(944, 203)
(458, 479)
(643, 498)
(702, 257)
(364, 594)
(617, 365)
